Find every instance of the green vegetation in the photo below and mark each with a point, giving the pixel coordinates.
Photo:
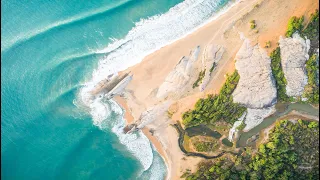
(199, 80)
(292, 152)
(253, 24)
(205, 144)
(311, 91)
(213, 66)
(216, 107)
(268, 44)
(221, 127)
(312, 29)
(169, 114)
(241, 126)
(295, 25)
(186, 174)
(219, 169)
(186, 141)
(278, 74)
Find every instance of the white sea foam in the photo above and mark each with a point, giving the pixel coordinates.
(156, 170)
(151, 34)
(137, 143)
(146, 37)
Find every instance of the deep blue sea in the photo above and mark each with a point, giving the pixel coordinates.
(52, 53)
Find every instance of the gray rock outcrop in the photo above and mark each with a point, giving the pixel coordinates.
(256, 87)
(255, 116)
(178, 78)
(294, 54)
(211, 56)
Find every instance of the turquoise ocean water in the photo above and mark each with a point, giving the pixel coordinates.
(52, 53)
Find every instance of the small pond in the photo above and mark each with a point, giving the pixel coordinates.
(202, 130)
(226, 142)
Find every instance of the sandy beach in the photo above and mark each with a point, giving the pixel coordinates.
(271, 17)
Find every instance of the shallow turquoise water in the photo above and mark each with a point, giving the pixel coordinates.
(48, 52)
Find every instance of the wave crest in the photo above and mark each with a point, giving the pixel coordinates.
(151, 34)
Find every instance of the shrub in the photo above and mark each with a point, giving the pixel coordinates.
(311, 91)
(290, 146)
(199, 80)
(268, 44)
(295, 24)
(169, 114)
(278, 74)
(312, 29)
(216, 107)
(253, 24)
(205, 145)
(241, 126)
(213, 66)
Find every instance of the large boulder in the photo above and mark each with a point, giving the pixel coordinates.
(256, 87)
(179, 76)
(294, 54)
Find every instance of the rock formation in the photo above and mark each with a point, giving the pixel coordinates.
(255, 116)
(233, 131)
(179, 76)
(294, 54)
(256, 87)
(211, 56)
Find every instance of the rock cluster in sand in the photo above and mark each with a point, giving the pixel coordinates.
(178, 78)
(212, 54)
(256, 87)
(294, 54)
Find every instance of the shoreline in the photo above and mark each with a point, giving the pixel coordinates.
(223, 30)
(129, 119)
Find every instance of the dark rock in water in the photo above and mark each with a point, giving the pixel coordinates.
(129, 127)
(151, 131)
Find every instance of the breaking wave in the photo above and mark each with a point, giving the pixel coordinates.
(147, 36)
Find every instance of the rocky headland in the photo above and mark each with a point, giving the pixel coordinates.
(294, 54)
